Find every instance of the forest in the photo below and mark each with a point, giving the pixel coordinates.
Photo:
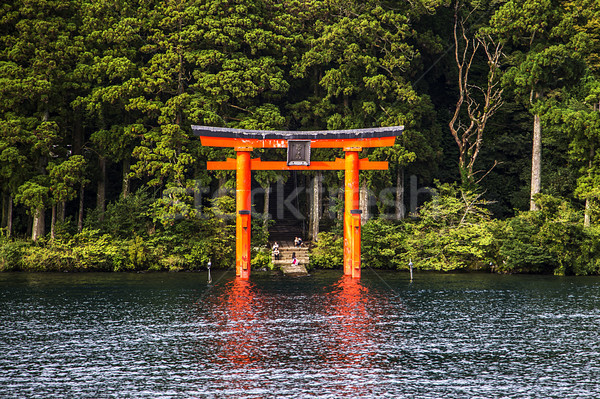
(499, 99)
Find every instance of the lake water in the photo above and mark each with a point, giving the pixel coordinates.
(174, 336)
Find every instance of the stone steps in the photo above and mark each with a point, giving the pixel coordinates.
(284, 263)
(294, 270)
(301, 253)
(288, 256)
(280, 262)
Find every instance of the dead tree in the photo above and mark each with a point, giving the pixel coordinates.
(475, 104)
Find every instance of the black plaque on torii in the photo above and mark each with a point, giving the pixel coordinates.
(298, 152)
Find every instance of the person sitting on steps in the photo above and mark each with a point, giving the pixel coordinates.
(299, 242)
(294, 260)
(296, 240)
(275, 246)
(276, 253)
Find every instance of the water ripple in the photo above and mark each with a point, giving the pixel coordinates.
(172, 336)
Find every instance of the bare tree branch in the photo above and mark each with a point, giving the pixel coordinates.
(477, 108)
(496, 163)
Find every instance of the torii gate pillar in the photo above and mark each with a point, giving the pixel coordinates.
(351, 214)
(243, 206)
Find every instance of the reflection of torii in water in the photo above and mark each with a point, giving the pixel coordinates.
(240, 312)
(241, 305)
(353, 322)
(256, 327)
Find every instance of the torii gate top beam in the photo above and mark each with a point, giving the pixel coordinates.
(360, 138)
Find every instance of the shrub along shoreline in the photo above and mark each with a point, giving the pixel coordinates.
(453, 232)
(455, 235)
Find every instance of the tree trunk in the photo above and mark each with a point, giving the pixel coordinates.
(340, 200)
(53, 221)
(414, 194)
(329, 203)
(221, 191)
(80, 212)
(316, 206)
(77, 150)
(310, 191)
(363, 200)
(101, 195)
(536, 161)
(38, 227)
(400, 209)
(280, 199)
(9, 216)
(4, 204)
(126, 181)
(587, 220)
(61, 210)
(198, 192)
(305, 184)
(266, 208)
(587, 217)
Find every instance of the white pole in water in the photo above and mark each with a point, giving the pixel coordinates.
(410, 265)
(209, 277)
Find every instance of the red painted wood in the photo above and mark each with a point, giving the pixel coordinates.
(351, 164)
(351, 201)
(242, 221)
(279, 143)
(258, 164)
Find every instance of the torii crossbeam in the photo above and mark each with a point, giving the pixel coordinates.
(298, 144)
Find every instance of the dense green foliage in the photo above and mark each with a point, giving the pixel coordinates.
(122, 242)
(328, 252)
(454, 232)
(97, 99)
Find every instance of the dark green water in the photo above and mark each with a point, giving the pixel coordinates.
(173, 336)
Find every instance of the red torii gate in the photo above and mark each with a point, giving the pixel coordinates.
(298, 145)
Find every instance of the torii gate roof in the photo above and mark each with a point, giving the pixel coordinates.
(227, 137)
